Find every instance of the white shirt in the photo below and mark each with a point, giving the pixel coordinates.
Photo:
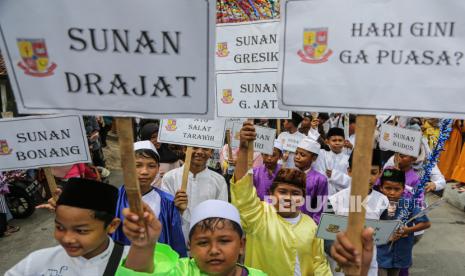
(153, 199)
(338, 163)
(294, 221)
(286, 137)
(54, 261)
(351, 139)
(207, 184)
(375, 206)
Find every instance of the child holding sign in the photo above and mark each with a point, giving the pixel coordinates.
(264, 175)
(316, 183)
(280, 239)
(161, 202)
(334, 163)
(397, 255)
(290, 138)
(202, 184)
(84, 219)
(216, 241)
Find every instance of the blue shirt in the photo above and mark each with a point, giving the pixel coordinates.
(400, 254)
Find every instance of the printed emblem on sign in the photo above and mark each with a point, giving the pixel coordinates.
(227, 96)
(315, 46)
(333, 228)
(4, 148)
(222, 49)
(171, 126)
(35, 61)
(386, 137)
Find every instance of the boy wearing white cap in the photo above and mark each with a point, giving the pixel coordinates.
(264, 175)
(280, 239)
(216, 242)
(162, 203)
(316, 183)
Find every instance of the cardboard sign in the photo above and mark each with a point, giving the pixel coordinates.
(264, 142)
(42, 141)
(230, 122)
(247, 46)
(248, 95)
(401, 140)
(331, 224)
(193, 132)
(81, 57)
(397, 57)
(290, 142)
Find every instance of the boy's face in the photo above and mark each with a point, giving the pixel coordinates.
(335, 143)
(154, 140)
(306, 122)
(375, 173)
(270, 161)
(288, 125)
(404, 161)
(217, 252)
(147, 170)
(303, 159)
(351, 128)
(289, 199)
(393, 190)
(80, 234)
(200, 156)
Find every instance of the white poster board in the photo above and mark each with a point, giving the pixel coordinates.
(246, 70)
(289, 141)
(112, 57)
(193, 132)
(264, 141)
(397, 57)
(42, 141)
(401, 140)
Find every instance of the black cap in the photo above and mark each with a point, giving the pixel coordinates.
(296, 119)
(89, 194)
(394, 175)
(335, 131)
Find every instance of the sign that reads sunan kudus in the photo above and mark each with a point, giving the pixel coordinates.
(193, 132)
(248, 95)
(247, 46)
(397, 57)
(81, 57)
(39, 141)
(402, 140)
(264, 141)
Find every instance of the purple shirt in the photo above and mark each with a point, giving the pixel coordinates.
(262, 180)
(316, 195)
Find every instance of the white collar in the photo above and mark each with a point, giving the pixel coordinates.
(99, 258)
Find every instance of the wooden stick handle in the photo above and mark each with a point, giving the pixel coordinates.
(278, 126)
(52, 185)
(128, 164)
(187, 167)
(250, 150)
(363, 151)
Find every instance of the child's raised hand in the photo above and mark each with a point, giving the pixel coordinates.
(181, 200)
(139, 234)
(51, 204)
(247, 134)
(329, 173)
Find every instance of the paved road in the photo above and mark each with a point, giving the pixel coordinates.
(440, 252)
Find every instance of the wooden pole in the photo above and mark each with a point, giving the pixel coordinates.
(278, 126)
(250, 151)
(52, 185)
(128, 164)
(187, 167)
(363, 151)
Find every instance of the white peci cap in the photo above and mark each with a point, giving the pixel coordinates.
(310, 145)
(213, 208)
(146, 144)
(278, 145)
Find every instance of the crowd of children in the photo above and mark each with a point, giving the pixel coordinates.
(259, 221)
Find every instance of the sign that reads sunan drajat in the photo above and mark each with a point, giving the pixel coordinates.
(39, 141)
(397, 57)
(81, 57)
(193, 132)
(402, 140)
(264, 141)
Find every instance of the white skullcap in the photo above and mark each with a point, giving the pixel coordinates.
(146, 144)
(278, 145)
(213, 208)
(309, 145)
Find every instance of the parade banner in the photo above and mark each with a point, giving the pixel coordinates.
(81, 57)
(264, 141)
(331, 224)
(248, 95)
(401, 140)
(397, 57)
(290, 142)
(42, 141)
(193, 132)
(247, 46)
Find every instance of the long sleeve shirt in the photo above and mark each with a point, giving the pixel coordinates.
(262, 179)
(274, 244)
(207, 184)
(338, 163)
(316, 192)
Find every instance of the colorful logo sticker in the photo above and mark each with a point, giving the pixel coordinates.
(35, 61)
(222, 49)
(227, 96)
(315, 46)
(171, 126)
(4, 148)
